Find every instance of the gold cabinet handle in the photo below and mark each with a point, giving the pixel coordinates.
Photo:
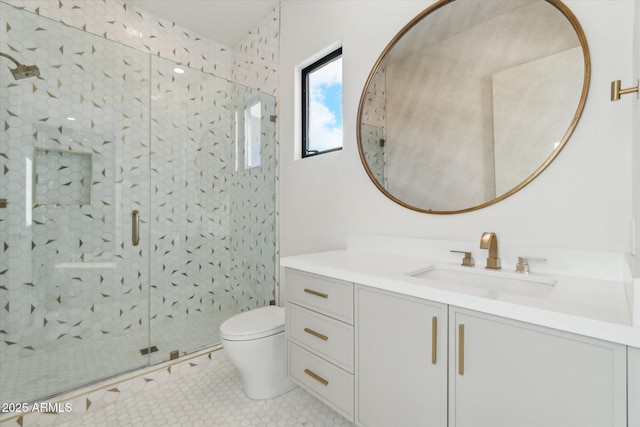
(135, 227)
(316, 334)
(316, 293)
(461, 349)
(434, 339)
(3, 203)
(316, 377)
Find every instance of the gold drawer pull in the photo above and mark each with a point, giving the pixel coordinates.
(316, 377)
(316, 293)
(434, 339)
(461, 349)
(316, 334)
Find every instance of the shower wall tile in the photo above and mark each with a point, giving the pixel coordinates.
(374, 150)
(190, 222)
(199, 196)
(372, 127)
(257, 56)
(373, 112)
(253, 62)
(253, 235)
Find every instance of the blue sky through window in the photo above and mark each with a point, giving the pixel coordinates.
(325, 107)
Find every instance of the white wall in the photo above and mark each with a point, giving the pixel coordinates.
(581, 201)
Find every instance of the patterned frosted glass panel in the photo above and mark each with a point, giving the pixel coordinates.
(74, 289)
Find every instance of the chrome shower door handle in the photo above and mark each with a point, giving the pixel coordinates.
(135, 227)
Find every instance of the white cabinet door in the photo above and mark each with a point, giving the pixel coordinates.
(401, 365)
(633, 385)
(505, 373)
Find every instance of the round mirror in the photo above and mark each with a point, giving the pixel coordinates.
(471, 101)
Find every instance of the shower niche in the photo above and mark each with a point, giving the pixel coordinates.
(61, 177)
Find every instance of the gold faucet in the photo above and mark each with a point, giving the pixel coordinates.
(489, 240)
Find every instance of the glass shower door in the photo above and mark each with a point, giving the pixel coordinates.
(213, 205)
(74, 162)
(108, 140)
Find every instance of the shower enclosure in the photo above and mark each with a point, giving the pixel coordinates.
(140, 207)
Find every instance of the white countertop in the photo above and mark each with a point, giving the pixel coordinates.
(593, 307)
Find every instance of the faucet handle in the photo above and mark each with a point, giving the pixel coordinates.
(522, 266)
(467, 260)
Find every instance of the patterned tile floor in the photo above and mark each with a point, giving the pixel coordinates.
(212, 397)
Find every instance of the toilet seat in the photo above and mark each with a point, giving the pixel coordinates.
(253, 324)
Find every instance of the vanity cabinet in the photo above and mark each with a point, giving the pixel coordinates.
(320, 338)
(381, 358)
(401, 360)
(505, 373)
(633, 386)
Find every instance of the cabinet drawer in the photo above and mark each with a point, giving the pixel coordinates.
(328, 382)
(328, 296)
(327, 337)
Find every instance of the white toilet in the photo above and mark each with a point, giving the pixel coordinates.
(254, 341)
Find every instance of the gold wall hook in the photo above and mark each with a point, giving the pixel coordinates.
(616, 91)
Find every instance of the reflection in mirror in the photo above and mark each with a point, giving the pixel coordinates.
(471, 101)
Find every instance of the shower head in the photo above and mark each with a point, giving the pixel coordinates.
(25, 71)
(22, 71)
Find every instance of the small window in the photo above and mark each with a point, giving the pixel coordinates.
(252, 118)
(248, 136)
(322, 105)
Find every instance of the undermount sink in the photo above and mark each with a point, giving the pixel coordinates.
(492, 282)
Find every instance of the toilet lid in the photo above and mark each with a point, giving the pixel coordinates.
(253, 324)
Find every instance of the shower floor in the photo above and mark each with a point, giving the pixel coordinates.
(48, 373)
